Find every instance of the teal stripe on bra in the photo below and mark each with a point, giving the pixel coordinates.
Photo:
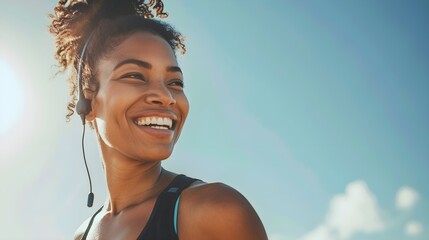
(176, 209)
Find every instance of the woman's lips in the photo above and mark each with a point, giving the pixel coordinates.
(155, 122)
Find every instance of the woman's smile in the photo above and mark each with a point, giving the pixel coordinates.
(159, 124)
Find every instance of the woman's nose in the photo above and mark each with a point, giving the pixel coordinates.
(159, 95)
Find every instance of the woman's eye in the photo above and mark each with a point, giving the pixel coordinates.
(134, 75)
(177, 83)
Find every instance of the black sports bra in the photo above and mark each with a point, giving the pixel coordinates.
(162, 223)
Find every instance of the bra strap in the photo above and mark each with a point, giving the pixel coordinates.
(90, 224)
(176, 209)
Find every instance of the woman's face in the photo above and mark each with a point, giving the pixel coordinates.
(140, 107)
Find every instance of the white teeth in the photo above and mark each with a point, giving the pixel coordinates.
(159, 121)
(159, 127)
(162, 122)
(168, 122)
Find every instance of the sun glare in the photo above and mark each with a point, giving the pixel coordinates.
(11, 97)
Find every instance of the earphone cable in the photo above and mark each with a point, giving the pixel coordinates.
(91, 195)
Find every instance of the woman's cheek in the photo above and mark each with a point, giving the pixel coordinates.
(101, 128)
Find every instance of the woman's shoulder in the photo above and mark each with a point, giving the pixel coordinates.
(219, 211)
(201, 194)
(85, 224)
(81, 229)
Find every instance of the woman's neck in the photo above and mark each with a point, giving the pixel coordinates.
(130, 182)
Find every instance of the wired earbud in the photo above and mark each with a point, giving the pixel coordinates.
(83, 107)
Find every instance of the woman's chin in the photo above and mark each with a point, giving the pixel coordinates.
(155, 155)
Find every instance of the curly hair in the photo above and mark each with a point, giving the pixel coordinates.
(106, 23)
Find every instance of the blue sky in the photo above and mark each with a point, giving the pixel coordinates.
(317, 112)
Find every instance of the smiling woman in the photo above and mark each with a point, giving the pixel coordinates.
(11, 98)
(131, 90)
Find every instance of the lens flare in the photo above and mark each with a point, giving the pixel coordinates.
(11, 97)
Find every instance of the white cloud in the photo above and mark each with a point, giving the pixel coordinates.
(413, 228)
(354, 211)
(406, 198)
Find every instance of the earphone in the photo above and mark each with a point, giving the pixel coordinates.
(83, 107)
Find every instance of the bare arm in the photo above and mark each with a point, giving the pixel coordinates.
(217, 211)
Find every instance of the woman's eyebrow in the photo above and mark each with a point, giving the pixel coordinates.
(134, 61)
(144, 64)
(174, 69)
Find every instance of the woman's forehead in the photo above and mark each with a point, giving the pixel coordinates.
(138, 49)
(143, 44)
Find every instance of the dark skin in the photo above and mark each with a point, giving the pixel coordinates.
(141, 78)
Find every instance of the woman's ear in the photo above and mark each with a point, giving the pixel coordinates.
(90, 95)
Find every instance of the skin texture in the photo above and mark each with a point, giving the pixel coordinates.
(134, 177)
